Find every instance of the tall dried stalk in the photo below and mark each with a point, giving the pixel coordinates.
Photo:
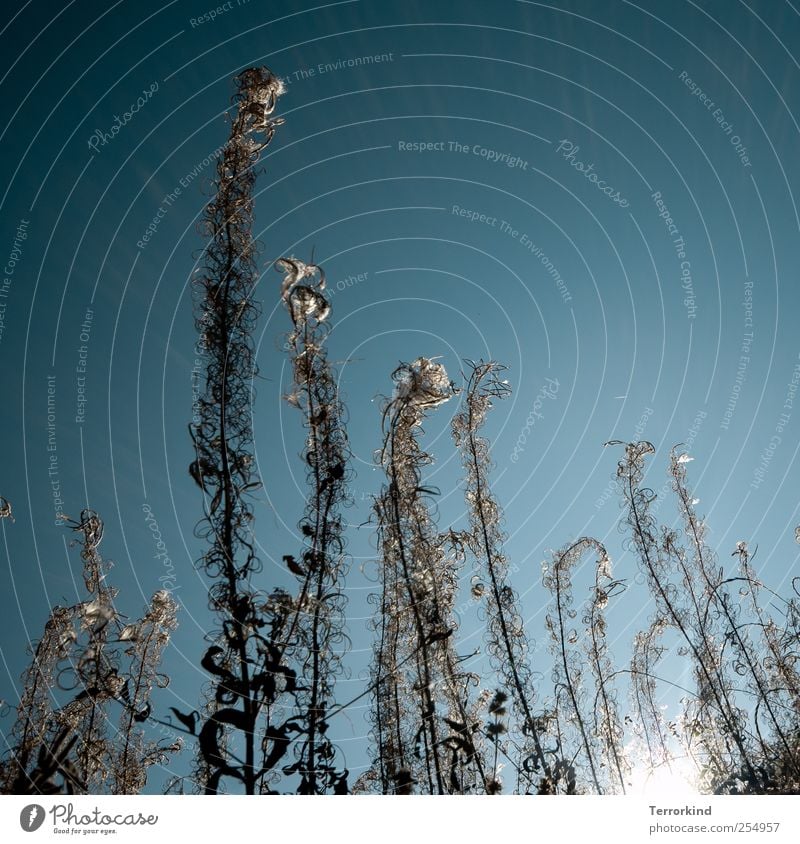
(317, 631)
(424, 724)
(146, 640)
(651, 733)
(247, 674)
(506, 639)
(608, 727)
(568, 671)
(779, 639)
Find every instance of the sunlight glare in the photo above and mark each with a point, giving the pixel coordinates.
(674, 780)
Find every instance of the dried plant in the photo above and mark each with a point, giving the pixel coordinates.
(32, 765)
(741, 719)
(570, 708)
(87, 661)
(722, 611)
(316, 636)
(651, 735)
(506, 639)
(608, 725)
(712, 717)
(424, 722)
(244, 659)
(437, 728)
(779, 638)
(740, 724)
(147, 638)
(5, 509)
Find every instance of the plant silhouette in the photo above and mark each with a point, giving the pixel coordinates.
(575, 721)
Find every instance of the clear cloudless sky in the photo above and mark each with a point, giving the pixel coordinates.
(601, 195)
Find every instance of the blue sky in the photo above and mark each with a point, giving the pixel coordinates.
(600, 195)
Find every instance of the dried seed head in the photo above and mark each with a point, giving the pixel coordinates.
(423, 383)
